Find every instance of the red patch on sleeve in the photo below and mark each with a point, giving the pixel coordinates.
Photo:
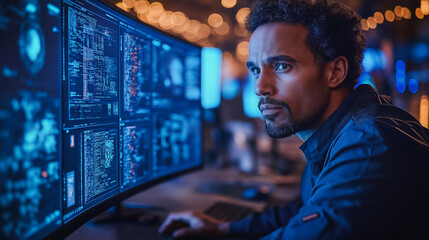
(310, 217)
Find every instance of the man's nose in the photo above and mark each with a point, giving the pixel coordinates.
(265, 85)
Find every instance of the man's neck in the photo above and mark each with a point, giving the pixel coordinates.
(337, 98)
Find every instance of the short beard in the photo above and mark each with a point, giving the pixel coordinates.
(283, 130)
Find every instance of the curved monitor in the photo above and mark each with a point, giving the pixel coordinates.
(98, 107)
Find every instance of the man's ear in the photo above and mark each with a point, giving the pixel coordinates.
(339, 68)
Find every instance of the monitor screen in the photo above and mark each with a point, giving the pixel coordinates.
(96, 107)
(30, 119)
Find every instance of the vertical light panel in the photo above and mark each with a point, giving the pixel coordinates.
(424, 5)
(250, 100)
(424, 111)
(400, 76)
(413, 85)
(211, 64)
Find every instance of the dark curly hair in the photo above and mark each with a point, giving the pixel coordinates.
(333, 29)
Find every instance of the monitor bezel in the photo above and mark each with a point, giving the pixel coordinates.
(65, 229)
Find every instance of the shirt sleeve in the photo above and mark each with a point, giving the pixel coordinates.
(261, 224)
(358, 194)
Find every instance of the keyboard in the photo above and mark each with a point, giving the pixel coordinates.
(228, 212)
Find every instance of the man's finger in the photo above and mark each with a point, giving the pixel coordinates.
(174, 221)
(166, 224)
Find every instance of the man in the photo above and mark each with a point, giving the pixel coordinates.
(367, 160)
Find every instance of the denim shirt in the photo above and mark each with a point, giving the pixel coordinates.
(367, 177)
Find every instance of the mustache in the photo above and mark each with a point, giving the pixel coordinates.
(267, 100)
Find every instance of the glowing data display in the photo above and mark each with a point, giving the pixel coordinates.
(93, 106)
(135, 148)
(92, 67)
(135, 69)
(90, 167)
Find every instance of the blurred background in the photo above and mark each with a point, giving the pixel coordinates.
(396, 63)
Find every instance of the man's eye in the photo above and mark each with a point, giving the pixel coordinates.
(283, 66)
(255, 70)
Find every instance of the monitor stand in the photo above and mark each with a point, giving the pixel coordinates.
(131, 212)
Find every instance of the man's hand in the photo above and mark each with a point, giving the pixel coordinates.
(184, 224)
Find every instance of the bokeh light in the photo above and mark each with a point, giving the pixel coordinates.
(242, 15)
(243, 48)
(413, 85)
(156, 9)
(178, 19)
(379, 18)
(419, 13)
(215, 20)
(425, 7)
(406, 13)
(424, 111)
(122, 6)
(364, 24)
(204, 31)
(165, 20)
(389, 15)
(223, 29)
(398, 11)
(129, 3)
(372, 23)
(228, 3)
(141, 7)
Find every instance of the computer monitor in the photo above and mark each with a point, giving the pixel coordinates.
(95, 106)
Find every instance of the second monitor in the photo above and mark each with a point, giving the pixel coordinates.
(131, 106)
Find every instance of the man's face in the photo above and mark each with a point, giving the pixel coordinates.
(292, 89)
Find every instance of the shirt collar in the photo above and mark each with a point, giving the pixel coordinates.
(316, 146)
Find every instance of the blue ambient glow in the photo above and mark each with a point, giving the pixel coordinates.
(230, 89)
(211, 61)
(413, 85)
(250, 100)
(400, 76)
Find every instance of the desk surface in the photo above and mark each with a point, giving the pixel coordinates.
(188, 192)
